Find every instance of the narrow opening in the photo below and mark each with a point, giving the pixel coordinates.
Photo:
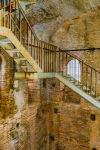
(52, 138)
(53, 84)
(44, 83)
(17, 125)
(93, 117)
(55, 110)
(73, 69)
(94, 149)
(0, 70)
(0, 64)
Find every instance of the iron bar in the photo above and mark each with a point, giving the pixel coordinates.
(76, 50)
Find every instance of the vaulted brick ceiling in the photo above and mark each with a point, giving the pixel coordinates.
(50, 9)
(47, 16)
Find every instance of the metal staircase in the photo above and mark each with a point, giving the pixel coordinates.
(19, 40)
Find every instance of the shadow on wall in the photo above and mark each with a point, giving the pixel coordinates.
(7, 102)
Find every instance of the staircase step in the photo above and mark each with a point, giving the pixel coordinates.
(17, 55)
(79, 86)
(19, 59)
(98, 98)
(72, 81)
(27, 68)
(78, 83)
(86, 88)
(4, 41)
(12, 50)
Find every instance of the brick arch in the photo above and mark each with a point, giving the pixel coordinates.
(7, 101)
(2, 64)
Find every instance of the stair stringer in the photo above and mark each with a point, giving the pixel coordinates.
(77, 90)
(65, 81)
(5, 32)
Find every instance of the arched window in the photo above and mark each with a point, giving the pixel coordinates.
(73, 69)
(0, 74)
(0, 64)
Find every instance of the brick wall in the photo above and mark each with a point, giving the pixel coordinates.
(7, 102)
(73, 123)
(24, 120)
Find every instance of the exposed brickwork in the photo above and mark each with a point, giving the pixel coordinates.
(70, 124)
(7, 102)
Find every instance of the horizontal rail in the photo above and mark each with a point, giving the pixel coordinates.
(76, 50)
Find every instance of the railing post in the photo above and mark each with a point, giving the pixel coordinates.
(10, 13)
(1, 19)
(43, 57)
(91, 80)
(4, 13)
(55, 60)
(20, 25)
(95, 83)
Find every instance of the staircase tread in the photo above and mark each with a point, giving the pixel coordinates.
(20, 59)
(4, 41)
(12, 50)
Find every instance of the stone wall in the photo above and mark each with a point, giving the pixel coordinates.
(7, 101)
(24, 119)
(73, 123)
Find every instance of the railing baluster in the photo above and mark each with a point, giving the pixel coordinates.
(62, 64)
(34, 49)
(20, 26)
(86, 76)
(39, 55)
(82, 73)
(31, 44)
(59, 61)
(91, 82)
(4, 13)
(49, 58)
(95, 83)
(43, 57)
(52, 59)
(66, 64)
(75, 70)
(46, 57)
(10, 3)
(41, 49)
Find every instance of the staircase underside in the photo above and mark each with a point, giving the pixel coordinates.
(62, 79)
(8, 39)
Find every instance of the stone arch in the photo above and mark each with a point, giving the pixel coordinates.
(2, 64)
(2, 69)
(74, 69)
